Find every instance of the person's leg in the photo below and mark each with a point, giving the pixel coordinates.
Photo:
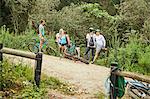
(93, 53)
(59, 48)
(78, 51)
(41, 44)
(95, 57)
(87, 52)
(98, 49)
(65, 48)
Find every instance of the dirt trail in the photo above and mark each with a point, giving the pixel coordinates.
(88, 77)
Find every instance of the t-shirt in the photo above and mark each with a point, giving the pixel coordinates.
(100, 40)
(41, 29)
(63, 40)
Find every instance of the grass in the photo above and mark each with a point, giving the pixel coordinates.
(99, 95)
(131, 57)
(17, 82)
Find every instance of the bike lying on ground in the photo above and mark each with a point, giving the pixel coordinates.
(34, 47)
(135, 89)
(138, 90)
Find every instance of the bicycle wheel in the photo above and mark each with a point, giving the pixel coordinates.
(50, 51)
(137, 93)
(33, 48)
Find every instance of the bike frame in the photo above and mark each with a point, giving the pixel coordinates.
(44, 44)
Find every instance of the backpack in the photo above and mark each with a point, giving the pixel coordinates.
(120, 86)
(91, 43)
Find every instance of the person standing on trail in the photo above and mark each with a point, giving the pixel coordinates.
(41, 34)
(100, 43)
(91, 43)
(64, 41)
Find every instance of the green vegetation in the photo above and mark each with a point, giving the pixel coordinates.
(124, 23)
(17, 82)
(126, 30)
(99, 96)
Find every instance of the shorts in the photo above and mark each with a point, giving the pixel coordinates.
(98, 48)
(63, 44)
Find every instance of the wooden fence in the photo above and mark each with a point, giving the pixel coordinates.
(37, 57)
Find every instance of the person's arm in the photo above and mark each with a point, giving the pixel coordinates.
(94, 40)
(57, 37)
(87, 36)
(104, 41)
(68, 39)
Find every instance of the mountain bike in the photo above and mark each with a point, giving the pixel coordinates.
(138, 90)
(135, 89)
(34, 47)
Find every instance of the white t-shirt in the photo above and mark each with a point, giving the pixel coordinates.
(100, 40)
(41, 29)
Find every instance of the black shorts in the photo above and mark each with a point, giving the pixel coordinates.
(63, 44)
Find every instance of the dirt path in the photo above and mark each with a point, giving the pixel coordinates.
(88, 77)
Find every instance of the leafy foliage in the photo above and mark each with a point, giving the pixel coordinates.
(118, 20)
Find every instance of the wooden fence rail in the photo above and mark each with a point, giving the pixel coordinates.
(37, 57)
(133, 76)
(16, 53)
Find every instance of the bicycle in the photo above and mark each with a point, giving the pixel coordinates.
(138, 90)
(135, 89)
(34, 47)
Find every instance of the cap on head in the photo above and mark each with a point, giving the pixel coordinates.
(97, 30)
(91, 29)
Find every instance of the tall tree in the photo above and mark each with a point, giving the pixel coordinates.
(18, 11)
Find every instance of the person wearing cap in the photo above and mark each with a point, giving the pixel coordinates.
(100, 43)
(91, 44)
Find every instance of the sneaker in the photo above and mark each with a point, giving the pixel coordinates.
(92, 62)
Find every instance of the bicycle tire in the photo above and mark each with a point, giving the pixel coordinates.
(137, 93)
(50, 51)
(33, 48)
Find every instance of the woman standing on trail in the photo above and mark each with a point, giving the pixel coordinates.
(100, 43)
(64, 41)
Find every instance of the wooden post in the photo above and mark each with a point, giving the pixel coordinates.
(113, 79)
(38, 68)
(1, 53)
